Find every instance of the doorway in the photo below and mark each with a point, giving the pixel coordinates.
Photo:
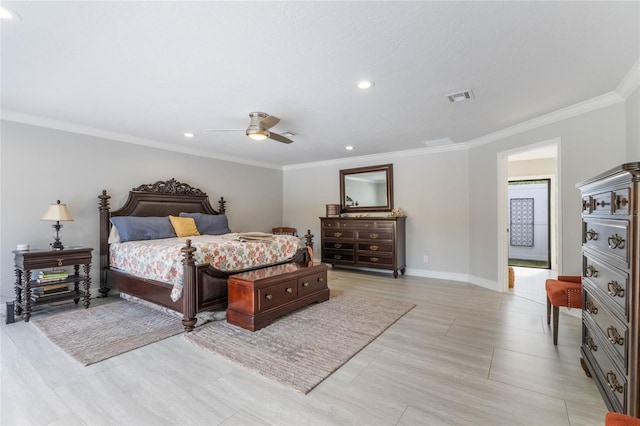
(530, 223)
(537, 162)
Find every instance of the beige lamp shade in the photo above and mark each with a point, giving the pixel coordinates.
(57, 212)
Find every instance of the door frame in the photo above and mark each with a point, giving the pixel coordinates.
(503, 210)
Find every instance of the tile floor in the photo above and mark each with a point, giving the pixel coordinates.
(463, 356)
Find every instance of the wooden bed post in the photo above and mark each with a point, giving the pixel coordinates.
(308, 242)
(221, 205)
(188, 287)
(104, 245)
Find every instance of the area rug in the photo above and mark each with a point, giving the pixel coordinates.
(302, 349)
(97, 333)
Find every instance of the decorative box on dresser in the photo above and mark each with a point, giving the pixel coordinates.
(611, 292)
(366, 242)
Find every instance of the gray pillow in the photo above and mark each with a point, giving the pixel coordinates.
(134, 228)
(209, 224)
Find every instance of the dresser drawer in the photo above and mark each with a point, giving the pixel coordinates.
(340, 245)
(381, 247)
(611, 381)
(610, 237)
(615, 333)
(612, 283)
(375, 259)
(601, 203)
(338, 233)
(375, 234)
(312, 283)
(333, 256)
(276, 295)
(620, 199)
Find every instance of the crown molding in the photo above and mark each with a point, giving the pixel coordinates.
(630, 82)
(380, 157)
(104, 134)
(589, 105)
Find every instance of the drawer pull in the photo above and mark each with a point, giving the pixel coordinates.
(60, 262)
(289, 290)
(337, 245)
(612, 381)
(337, 234)
(373, 247)
(320, 280)
(591, 308)
(592, 346)
(585, 204)
(592, 235)
(374, 259)
(601, 203)
(337, 256)
(268, 296)
(590, 271)
(621, 201)
(305, 284)
(615, 289)
(616, 241)
(614, 337)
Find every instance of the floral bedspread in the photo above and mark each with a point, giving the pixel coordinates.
(161, 260)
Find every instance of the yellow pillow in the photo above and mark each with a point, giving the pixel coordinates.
(184, 226)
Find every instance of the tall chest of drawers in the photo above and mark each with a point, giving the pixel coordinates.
(611, 292)
(366, 242)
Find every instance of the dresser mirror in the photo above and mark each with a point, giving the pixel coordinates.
(367, 189)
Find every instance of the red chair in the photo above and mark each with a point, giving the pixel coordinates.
(565, 291)
(617, 419)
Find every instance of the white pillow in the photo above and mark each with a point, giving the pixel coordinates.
(114, 237)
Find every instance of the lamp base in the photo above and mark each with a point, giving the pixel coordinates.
(57, 245)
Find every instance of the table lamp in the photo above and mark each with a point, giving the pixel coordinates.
(57, 212)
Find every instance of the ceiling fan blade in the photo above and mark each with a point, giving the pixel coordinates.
(279, 138)
(269, 122)
(223, 130)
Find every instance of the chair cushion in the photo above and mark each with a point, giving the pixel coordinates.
(617, 419)
(564, 293)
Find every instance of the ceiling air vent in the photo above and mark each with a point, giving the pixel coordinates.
(460, 96)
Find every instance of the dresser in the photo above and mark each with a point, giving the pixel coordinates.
(366, 242)
(611, 292)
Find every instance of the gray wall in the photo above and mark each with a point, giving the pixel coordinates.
(451, 197)
(39, 166)
(590, 144)
(633, 126)
(431, 189)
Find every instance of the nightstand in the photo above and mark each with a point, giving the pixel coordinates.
(30, 292)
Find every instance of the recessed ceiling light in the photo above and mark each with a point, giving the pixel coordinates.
(8, 14)
(365, 84)
(348, 148)
(189, 135)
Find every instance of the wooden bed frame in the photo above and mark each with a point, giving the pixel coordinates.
(204, 288)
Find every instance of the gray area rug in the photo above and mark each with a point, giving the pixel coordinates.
(302, 349)
(101, 332)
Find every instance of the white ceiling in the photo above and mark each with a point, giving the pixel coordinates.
(147, 72)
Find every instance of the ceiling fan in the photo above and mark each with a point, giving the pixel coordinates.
(259, 128)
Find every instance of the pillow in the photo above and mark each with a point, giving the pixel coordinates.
(114, 237)
(210, 224)
(184, 226)
(134, 228)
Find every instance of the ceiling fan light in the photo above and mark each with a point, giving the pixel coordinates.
(257, 135)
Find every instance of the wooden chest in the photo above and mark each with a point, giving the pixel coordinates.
(369, 242)
(258, 297)
(611, 293)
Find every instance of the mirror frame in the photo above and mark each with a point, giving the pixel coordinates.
(387, 168)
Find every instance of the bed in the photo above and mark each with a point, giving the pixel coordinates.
(203, 286)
